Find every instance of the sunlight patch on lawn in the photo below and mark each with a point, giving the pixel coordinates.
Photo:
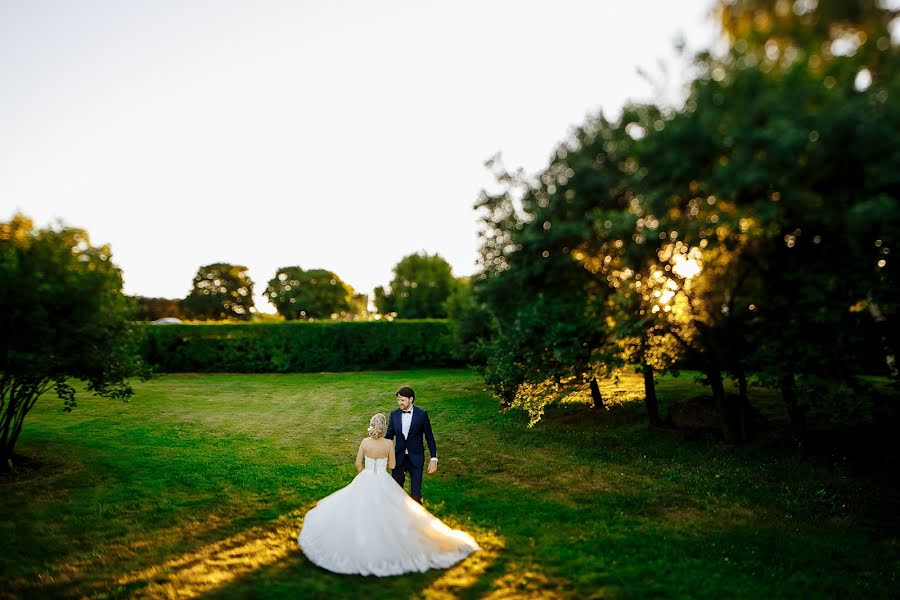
(466, 573)
(524, 582)
(719, 516)
(629, 387)
(207, 568)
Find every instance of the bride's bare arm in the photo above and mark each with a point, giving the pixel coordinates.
(392, 456)
(359, 457)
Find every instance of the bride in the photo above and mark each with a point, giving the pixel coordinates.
(371, 527)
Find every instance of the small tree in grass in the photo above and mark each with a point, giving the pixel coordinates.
(64, 317)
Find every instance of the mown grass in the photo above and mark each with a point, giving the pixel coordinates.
(198, 487)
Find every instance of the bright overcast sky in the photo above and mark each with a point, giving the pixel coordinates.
(330, 134)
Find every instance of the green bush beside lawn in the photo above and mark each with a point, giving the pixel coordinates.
(299, 347)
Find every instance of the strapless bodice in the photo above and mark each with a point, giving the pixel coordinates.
(376, 464)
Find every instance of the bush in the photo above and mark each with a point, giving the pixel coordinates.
(292, 347)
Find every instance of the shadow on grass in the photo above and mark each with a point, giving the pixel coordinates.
(295, 576)
(266, 561)
(211, 566)
(621, 544)
(485, 574)
(261, 561)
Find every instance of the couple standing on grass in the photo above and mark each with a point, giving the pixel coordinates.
(371, 527)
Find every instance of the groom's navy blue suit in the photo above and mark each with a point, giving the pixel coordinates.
(409, 450)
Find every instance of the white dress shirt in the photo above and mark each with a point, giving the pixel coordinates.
(405, 422)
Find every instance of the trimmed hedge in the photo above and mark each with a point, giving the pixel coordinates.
(297, 347)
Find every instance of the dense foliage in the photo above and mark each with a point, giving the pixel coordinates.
(221, 291)
(421, 286)
(299, 347)
(747, 231)
(311, 294)
(64, 318)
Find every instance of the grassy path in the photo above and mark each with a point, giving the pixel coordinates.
(198, 487)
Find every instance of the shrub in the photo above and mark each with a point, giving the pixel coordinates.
(296, 347)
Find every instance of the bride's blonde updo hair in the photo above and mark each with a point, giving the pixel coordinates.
(377, 426)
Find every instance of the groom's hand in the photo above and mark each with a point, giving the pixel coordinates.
(432, 466)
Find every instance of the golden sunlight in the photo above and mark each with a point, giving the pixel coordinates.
(199, 572)
(686, 267)
(465, 574)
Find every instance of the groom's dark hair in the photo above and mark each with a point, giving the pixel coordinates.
(406, 391)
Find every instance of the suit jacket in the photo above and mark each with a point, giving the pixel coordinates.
(419, 428)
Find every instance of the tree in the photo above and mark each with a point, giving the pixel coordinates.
(748, 230)
(359, 307)
(221, 291)
(313, 294)
(781, 165)
(151, 309)
(420, 288)
(552, 247)
(65, 317)
(780, 33)
(471, 321)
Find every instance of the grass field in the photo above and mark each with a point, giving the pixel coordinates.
(198, 487)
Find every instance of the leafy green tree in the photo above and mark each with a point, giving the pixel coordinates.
(748, 230)
(312, 294)
(779, 169)
(552, 249)
(221, 291)
(421, 285)
(359, 306)
(472, 323)
(384, 301)
(65, 317)
(781, 33)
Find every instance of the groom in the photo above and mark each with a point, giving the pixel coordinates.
(409, 424)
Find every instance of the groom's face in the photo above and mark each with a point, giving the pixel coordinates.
(404, 402)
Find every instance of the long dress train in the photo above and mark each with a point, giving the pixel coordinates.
(372, 527)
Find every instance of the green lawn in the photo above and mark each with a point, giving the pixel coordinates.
(198, 487)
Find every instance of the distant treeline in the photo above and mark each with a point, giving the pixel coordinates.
(421, 287)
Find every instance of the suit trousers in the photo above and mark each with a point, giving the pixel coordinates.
(403, 467)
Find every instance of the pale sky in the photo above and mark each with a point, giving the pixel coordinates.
(333, 134)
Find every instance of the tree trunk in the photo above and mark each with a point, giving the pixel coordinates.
(650, 396)
(19, 398)
(796, 412)
(890, 357)
(743, 404)
(596, 397)
(7, 418)
(726, 415)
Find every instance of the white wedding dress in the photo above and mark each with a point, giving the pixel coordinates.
(372, 527)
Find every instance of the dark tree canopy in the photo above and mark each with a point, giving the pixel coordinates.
(64, 317)
(420, 288)
(221, 291)
(312, 294)
(747, 232)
